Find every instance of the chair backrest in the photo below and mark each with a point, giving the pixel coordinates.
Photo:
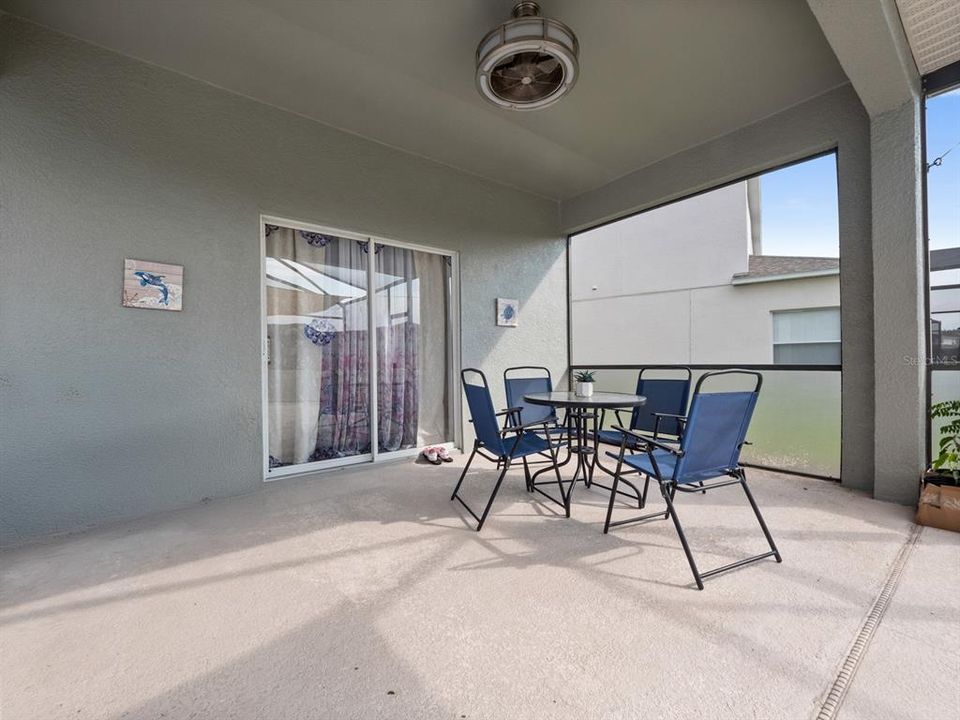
(520, 381)
(716, 428)
(482, 414)
(664, 395)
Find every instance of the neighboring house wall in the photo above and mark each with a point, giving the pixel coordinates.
(835, 119)
(736, 322)
(714, 325)
(700, 242)
(110, 412)
(656, 287)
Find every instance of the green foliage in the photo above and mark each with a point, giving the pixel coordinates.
(583, 376)
(949, 457)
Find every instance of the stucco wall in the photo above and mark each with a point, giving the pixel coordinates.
(701, 241)
(666, 275)
(110, 412)
(835, 119)
(711, 325)
(899, 325)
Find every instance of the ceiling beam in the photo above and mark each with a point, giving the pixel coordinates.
(869, 41)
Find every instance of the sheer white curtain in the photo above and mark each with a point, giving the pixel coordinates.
(318, 350)
(436, 360)
(413, 353)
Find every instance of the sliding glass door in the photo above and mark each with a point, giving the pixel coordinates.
(331, 385)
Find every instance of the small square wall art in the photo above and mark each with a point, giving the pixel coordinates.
(152, 285)
(508, 312)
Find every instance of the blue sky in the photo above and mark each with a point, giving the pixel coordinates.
(943, 182)
(798, 209)
(799, 203)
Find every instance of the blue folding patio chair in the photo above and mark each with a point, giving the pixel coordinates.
(526, 380)
(660, 418)
(715, 432)
(663, 415)
(504, 445)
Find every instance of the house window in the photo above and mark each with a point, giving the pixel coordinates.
(809, 336)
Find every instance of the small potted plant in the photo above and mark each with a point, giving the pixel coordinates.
(584, 380)
(945, 468)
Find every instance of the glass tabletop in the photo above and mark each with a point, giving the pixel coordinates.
(597, 400)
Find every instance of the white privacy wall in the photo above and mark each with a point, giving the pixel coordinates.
(712, 325)
(655, 288)
(699, 242)
(110, 412)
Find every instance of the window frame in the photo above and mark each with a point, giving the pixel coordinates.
(833, 150)
(785, 311)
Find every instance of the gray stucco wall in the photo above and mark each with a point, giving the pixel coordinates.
(835, 119)
(899, 324)
(110, 412)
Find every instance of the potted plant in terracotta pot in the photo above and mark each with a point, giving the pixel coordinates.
(584, 380)
(939, 504)
(945, 468)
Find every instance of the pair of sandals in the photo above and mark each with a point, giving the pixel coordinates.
(436, 454)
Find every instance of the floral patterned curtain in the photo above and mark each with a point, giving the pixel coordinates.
(318, 364)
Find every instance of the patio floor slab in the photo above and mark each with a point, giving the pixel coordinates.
(363, 593)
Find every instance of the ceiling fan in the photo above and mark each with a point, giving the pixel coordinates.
(529, 62)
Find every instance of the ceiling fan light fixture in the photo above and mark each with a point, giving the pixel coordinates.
(529, 62)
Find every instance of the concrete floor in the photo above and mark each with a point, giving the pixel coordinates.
(362, 594)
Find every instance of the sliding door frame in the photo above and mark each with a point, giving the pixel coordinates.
(453, 337)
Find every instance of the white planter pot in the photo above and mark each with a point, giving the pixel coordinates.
(584, 389)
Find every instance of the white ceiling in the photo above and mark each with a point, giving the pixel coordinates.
(658, 76)
(933, 30)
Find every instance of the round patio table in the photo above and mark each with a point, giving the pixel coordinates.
(580, 410)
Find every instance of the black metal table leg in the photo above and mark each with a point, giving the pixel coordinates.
(595, 463)
(580, 411)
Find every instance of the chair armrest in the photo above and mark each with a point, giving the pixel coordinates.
(679, 418)
(648, 440)
(527, 426)
(681, 421)
(511, 417)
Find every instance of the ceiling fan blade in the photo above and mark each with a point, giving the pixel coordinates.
(547, 64)
(527, 77)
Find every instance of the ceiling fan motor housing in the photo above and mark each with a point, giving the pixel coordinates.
(529, 62)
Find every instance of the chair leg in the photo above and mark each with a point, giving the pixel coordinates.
(554, 456)
(646, 486)
(596, 448)
(526, 475)
(565, 496)
(464, 473)
(756, 511)
(493, 495)
(668, 497)
(613, 495)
